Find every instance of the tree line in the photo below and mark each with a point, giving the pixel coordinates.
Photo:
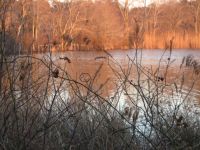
(36, 25)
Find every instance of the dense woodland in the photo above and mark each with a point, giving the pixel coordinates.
(37, 25)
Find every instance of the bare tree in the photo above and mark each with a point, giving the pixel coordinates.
(4, 9)
(124, 10)
(67, 13)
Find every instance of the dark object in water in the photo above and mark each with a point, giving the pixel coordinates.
(100, 57)
(55, 73)
(179, 121)
(160, 78)
(66, 58)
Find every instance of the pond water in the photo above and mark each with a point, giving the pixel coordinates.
(115, 65)
(114, 75)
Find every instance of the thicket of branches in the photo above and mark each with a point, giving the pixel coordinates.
(105, 24)
(43, 107)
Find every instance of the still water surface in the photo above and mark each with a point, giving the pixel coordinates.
(84, 63)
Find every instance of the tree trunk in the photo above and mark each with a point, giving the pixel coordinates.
(197, 20)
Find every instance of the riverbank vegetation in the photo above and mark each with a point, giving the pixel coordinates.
(98, 25)
(43, 107)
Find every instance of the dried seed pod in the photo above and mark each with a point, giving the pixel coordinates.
(126, 111)
(21, 77)
(179, 121)
(55, 73)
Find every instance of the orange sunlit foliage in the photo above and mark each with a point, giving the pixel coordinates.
(105, 24)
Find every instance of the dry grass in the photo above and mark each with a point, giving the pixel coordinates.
(180, 41)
